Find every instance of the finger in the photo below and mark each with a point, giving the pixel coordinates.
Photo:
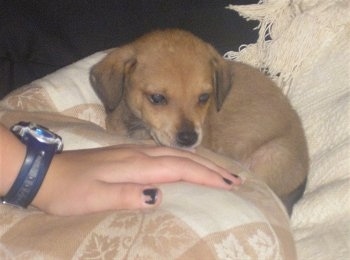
(151, 165)
(127, 154)
(162, 151)
(106, 196)
(184, 169)
(166, 169)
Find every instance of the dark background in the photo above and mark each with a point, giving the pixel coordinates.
(38, 37)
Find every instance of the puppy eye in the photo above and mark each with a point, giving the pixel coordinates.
(157, 99)
(203, 98)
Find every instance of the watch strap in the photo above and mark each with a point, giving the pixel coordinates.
(31, 175)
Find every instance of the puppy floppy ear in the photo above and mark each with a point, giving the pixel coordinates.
(221, 80)
(108, 77)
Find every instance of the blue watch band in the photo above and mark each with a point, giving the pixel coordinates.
(34, 168)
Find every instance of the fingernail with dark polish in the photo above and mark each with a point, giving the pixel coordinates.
(235, 175)
(151, 196)
(227, 181)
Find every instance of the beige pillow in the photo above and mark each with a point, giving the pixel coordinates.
(193, 222)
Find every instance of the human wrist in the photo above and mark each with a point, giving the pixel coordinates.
(41, 146)
(12, 154)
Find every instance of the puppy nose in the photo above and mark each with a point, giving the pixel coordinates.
(186, 138)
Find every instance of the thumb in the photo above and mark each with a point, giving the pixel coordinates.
(120, 196)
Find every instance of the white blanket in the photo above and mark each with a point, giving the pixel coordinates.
(305, 47)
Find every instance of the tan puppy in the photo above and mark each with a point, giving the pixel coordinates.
(174, 87)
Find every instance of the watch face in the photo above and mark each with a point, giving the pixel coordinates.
(42, 134)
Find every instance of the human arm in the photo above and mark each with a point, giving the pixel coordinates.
(85, 181)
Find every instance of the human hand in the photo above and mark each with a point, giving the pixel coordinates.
(121, 177)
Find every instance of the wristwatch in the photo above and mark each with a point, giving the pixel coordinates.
(42, 145)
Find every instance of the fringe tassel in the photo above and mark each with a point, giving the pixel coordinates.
(291, 33)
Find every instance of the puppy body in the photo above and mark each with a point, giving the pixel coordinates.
(260, 129)
(175, 88)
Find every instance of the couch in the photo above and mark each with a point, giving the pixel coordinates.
(303, 46)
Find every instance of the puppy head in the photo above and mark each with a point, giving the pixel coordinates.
(168, 79)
